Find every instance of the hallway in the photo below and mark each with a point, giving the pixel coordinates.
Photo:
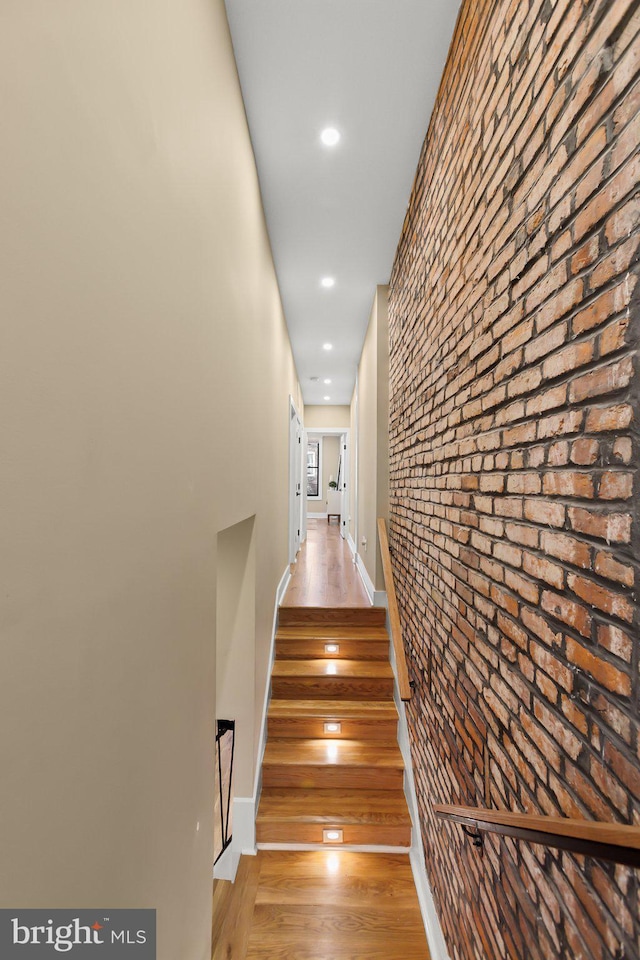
(322, 904)
(325, 574)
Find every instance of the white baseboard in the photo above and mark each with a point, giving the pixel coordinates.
(280, 592)
(317, 516)
(244, 826)
(246, 808)
(364, 576)
(227, 864)
(435, 937)
(351, 546)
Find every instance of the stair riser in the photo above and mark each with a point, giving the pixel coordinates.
(343, 616)
(399, 836)
(331, 688)
(315, 650)
(382, 730)
(309, 777)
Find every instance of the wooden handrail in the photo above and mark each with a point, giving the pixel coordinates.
(404, 686)
(592, 838)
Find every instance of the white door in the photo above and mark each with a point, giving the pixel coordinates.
(344, 484)
(295, 482)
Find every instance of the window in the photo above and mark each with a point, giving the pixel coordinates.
(313, 469)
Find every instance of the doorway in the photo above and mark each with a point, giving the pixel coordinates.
(296, 499)
(327, 486)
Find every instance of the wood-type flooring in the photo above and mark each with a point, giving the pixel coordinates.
(324, 574)
(319, 905)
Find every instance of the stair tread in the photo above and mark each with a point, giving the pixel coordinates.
(334, 806)
(332, 753)
(369, 669)
(334, 709)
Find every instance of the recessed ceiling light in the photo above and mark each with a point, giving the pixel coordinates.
(328, 282)
(325, 381)
(326, 398)
(330, 136)
(333, 727)
(332, 648)
(327, 346)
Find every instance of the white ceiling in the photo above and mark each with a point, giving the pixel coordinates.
(370, 68)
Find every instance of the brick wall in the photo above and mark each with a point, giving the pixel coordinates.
(514, 315)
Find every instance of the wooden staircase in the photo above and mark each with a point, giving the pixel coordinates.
(332, 761)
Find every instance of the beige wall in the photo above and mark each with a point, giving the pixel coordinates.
(372, 427)
(325, 416)
(145, 371)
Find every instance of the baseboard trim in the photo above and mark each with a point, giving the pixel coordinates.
(226, 866)
(351, 546)
(244, 826)
(433, 930)
(435, 938)
(364, 576)
(317, 516)
(246, 808)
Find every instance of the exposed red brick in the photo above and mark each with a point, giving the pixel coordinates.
(566, 483)
(567, 548)
(570, 612)
(513, 313)
(607, 566)
(612, 527)
(615, 486)
(616, 641)
(600, 597)
(602, 671)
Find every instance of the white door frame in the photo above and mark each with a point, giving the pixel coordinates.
(346, 493)
(296, 434)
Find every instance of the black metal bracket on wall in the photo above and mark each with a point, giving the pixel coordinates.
(476, 838)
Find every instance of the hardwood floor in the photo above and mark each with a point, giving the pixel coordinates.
(324, 574)
(324, 905)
